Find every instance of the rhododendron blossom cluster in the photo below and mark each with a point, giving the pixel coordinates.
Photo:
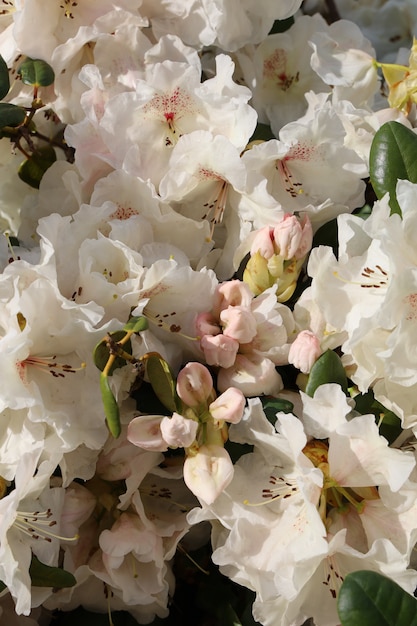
(208, 305)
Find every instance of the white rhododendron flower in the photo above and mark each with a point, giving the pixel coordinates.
(207, 307)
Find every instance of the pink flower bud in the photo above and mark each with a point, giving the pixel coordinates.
(194, 384)
(145, 432)
(208, 472)
(304, 351)
(288, 235)
(239, 323)
(231, 293)
(263, 242)
(228, 406)
(220, 350)
(178, 431)
(254, 376)
(306, 238)
(207, 324)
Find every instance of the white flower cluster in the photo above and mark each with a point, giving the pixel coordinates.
(208, 147)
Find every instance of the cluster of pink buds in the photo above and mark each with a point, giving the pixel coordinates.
(277, 255)
(200, 428)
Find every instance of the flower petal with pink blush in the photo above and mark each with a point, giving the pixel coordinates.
(194, 384)
(239, 323)
(228, 406)
(219, 350)
(144, 431)
(208, 472)
(178, 431)
(304, 351)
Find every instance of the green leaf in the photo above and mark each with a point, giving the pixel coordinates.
(46, 576)
(393, 156)
(280, 26)
(272, 406)
(328, 235)
(101, 352)
(11, 115)
(136, 324)
(327, 369)
(111, 409)
(32, 170)
(367, 598)
(389, 423)
(162, 381)
(4, 78)
(36, 72)
(228, 616)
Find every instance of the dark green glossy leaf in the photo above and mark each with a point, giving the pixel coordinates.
(4, 78)
(32, 170)
(393, 156)
(389, 423)
(162, 381)
(272, 406)
(11, 115)
(101, 353)
(2, 586)
(36, 72)
(327, 369)
(228, 616)
(111, 409)
(280, 26)
(327, 235)
(46, 576)
(136, 324)
(366, 599)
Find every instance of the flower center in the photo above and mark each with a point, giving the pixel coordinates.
(169, 109)
(275, 70)
(38, 525)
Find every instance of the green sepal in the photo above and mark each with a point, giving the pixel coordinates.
(11, 115)
(327, 369)
(4, 78)
(367, 598)
(36, 72)
(136, 324)
(43, 575)
(160, 376)
(392, 157)
(111, 408)
(32, 170)
(101, 352)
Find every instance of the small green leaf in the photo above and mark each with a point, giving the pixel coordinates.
(327, 369)
(393, 156)
(136, 324)
(101, 353)
(367, 598)
(11, 115)
(4, 78)
(36, 72)
(389, 423)
(111, 409)
(162, 381)
(272, 406)
(32, 170)
(228, 616)
(280, 26)
(46, 576)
